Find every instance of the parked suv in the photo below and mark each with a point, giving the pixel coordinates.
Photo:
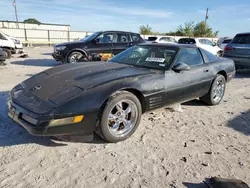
(239, 50)
(96, 46)
(203, 43)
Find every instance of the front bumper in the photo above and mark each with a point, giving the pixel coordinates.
(240, 62)
(58, 56)
(39, 125)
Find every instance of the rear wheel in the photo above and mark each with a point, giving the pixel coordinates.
(76, 57)
(121, 117)
(217, 91)
(7, 53)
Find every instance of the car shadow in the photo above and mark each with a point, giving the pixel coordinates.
(12, 134)
(242, 73)
(241, 123)
(37, 62)
(195, 102)
(195, 185)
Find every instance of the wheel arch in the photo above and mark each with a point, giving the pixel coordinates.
(223, 73)
(76, 50)
(7, 47)
(135, 92)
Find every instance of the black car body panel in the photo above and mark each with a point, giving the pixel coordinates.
(75, 89)
(91, 49)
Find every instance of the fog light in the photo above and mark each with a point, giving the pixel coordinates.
(66, 121)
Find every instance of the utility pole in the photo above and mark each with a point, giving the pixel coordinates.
(206, 17)
(14, 4)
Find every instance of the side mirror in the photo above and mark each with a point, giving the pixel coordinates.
(181, 67)
(96, 41)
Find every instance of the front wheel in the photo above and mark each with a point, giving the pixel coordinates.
(7, 53)
(75, 57)
(121, 117)
(217, 91)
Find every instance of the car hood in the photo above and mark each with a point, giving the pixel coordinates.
(64, 82)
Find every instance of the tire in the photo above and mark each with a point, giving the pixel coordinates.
(7, 53)
(216, 92)
(75, 57)
(220, 53)
(111, 127)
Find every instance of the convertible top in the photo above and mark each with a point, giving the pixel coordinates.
(169, 45)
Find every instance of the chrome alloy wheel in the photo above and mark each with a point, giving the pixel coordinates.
(75, 57)
(122, 118)
(218, 90)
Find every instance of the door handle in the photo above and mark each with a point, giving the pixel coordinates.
(206, 70)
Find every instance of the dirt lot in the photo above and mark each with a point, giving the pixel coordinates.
(169, 149)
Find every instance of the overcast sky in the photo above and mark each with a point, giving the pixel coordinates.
(229, 17)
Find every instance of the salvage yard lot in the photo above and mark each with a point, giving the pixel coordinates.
(169, 149)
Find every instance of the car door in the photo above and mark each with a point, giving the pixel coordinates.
(121, 43)
(197, 81)
(103, 43)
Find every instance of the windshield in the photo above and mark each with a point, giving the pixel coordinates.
(90, 37)
(155, 57)
(241, 39)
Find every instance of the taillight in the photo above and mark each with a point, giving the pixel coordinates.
(228, 48)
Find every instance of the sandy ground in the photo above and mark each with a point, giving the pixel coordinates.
(169, 149)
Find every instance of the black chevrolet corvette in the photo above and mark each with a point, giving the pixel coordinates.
(109, 97)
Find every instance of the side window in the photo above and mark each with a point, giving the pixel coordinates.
(165, 39)
(106, 38)
(135, 37)
(209, 55)
(122, 38)
(162, 39)
(202, 41)
(172, 40)
(190, 56)
(208, 42)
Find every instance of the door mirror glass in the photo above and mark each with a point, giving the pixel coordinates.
(96, 40)
(181, 67)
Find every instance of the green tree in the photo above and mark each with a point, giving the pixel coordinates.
(201, 29)
(145, 30)
(186, 30)
(32, 21)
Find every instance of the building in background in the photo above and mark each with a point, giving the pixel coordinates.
(42, 26)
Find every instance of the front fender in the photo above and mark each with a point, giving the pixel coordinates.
(76, 49)
(92, 99)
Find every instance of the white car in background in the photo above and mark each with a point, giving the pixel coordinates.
(10, 45)
(204, 43)
(163, 39)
